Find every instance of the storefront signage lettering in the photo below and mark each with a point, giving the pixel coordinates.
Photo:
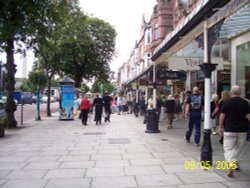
(191, 63)
(171, 75)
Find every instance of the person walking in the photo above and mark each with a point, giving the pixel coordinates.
(170, 110)
(193, 113)
(214, 108)
(119, 104)
(98, 104)
(184, 105)
(107, 102)
(224, 96)
(85, 106)
(234, 120)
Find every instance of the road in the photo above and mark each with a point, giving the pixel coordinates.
(29, 111)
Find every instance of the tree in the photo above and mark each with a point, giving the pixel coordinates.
(22, 23)
(88, 48)
(37, 78)
(49, 52)
(100, 86)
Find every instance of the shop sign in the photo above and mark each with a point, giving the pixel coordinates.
(192, 63)
(171, 75)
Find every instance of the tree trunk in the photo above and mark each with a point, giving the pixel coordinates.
(10, 85)
(49, 91)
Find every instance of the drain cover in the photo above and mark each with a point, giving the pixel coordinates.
(118, 141)
(94, 133)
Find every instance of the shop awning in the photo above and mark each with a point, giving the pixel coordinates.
(237, 23)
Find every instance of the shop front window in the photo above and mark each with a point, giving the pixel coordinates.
(243, 69)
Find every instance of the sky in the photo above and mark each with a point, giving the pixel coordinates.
(124, 15)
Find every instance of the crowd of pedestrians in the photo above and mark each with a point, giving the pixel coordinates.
(230, 116)
(96, 105)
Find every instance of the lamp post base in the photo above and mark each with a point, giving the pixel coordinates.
(206, 150)
(38, 118)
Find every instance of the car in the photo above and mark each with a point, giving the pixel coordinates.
(27, 98)
(4, 99)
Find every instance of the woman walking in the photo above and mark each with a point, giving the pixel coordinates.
(170, 110)
(214, 113)
(98, 104)
(224, 96)
(85, 106)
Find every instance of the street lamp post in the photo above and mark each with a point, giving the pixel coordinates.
(210, 37)
(38, 117)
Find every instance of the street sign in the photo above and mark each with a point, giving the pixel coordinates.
(171, 75)
(191, 63)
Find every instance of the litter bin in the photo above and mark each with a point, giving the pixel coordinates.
(152, 121)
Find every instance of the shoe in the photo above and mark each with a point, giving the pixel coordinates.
(187, 140)
(230, 173)
(196, 144)
(169, 126)
(214, 133)
(221, 141)
(237, 167)
(96, 123)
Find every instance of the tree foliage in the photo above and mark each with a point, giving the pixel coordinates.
(101, 87)
(38, 79)
(88, 47)
(23, 23)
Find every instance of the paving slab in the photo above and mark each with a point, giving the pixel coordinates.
(114, 182)
(42, 165)
(78, 165)
(27, 183)
(65, 173)
(200, 177)
(26, 174)
(143, 170)
(98, 172)
(112, 163)
(158, 180)
(68, 183)
(3, 173)
(203, 185)
(146, 162)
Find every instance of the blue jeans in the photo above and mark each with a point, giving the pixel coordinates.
(194, 120)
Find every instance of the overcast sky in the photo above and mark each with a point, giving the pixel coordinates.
(124, 15)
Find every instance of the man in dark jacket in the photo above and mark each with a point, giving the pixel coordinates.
(107, 101)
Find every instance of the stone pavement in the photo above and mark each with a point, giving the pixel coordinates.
(66, 154)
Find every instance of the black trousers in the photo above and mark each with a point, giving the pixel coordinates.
(84, 116)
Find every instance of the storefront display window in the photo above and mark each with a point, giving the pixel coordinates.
(243, 69)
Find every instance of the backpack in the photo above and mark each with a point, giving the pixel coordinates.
(195, 102)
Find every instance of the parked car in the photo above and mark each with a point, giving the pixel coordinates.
(44, 99)
(4, 99)
(27, 98)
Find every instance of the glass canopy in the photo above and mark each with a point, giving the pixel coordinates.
(237, 23)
